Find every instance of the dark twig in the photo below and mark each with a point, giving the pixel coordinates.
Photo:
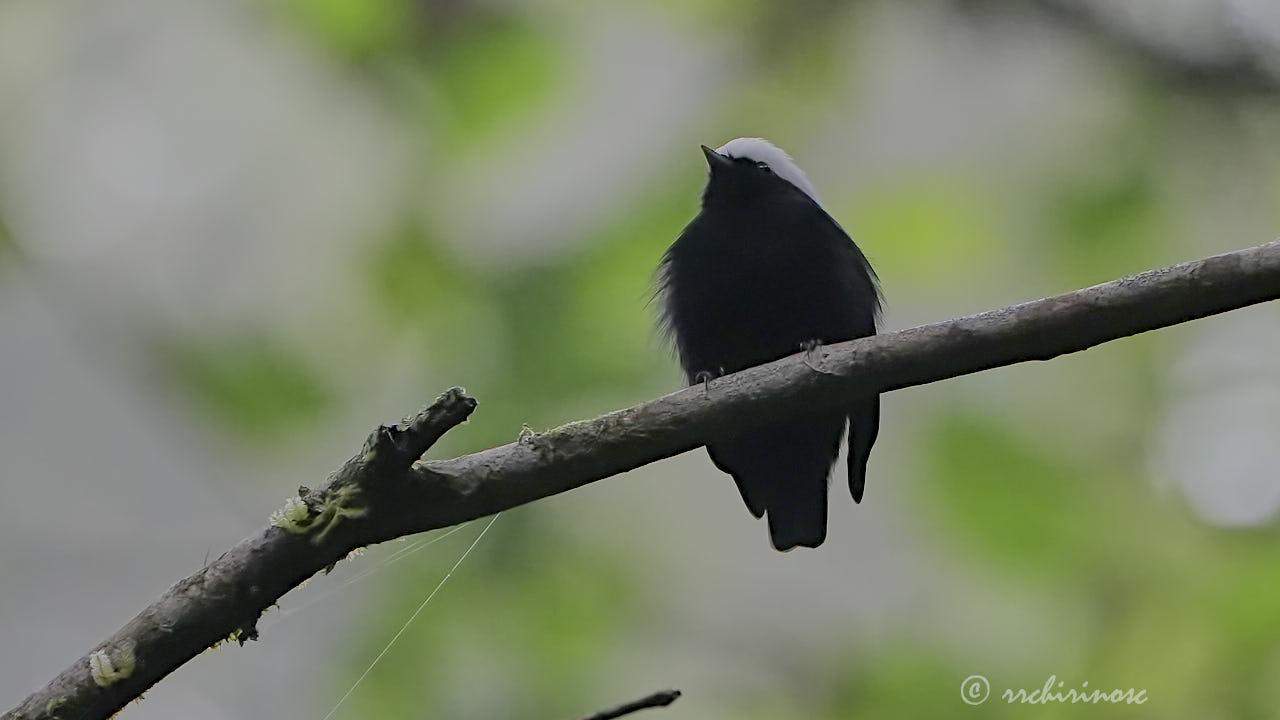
(382, 493)
(223, 600)
(662, 698)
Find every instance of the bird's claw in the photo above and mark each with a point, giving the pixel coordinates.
(810, 348)
(705, 377)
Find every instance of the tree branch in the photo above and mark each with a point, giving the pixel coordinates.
(382, 493)
(662, 698)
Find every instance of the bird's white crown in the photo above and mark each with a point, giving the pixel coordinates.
(761, 150)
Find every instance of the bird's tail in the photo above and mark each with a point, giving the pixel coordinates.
(782, 471)
(798, 516)
(864, 425)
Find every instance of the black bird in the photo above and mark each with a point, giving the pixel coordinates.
(761, 273)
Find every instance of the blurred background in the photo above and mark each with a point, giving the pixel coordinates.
(239, 235)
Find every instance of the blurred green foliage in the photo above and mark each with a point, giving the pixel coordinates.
(507, 67)
(410, 275)
(1158, 600)
(251, 385)
(548, 616)
(944, 229)
(7, 248)
(353, 28)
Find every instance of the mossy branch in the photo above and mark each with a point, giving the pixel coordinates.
(384, 491)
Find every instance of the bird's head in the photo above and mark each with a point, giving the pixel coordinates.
(752, 166)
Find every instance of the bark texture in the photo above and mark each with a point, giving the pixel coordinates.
(384, 491)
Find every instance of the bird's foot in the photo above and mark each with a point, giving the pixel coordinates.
(705, 377)
(810, 349)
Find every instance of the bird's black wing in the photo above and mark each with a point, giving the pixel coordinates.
(859, 316)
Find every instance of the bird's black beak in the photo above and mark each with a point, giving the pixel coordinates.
(714, 159)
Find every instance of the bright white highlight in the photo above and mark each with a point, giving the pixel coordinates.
(761, 150)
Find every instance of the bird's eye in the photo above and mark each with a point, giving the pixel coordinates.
(764, 166)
